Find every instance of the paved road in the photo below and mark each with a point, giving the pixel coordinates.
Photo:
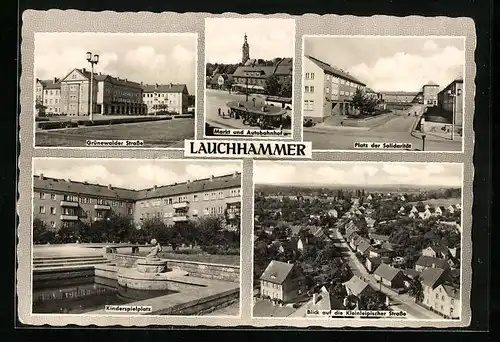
(397, 130)
(401, 302)
(216, 99)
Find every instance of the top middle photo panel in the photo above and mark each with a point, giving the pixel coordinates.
(249, 77)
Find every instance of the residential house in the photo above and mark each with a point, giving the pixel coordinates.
(378, 239)
(369, 222)
(333, 213)
(282, 280)
(411, 215)
(363, 246)
(381, 252)
(453, 103)
(436, 252)
(450, 209)
(402, 198)
(358, 287)
(401, 210)
(440, 295)
(438, 210)
(369, 198)
(371, 263)
(389, 276)
(425, 262)
(414, 210)
(425, 215)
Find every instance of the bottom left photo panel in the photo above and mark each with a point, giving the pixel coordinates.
(136, 236)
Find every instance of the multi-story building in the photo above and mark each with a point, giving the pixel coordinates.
(111, 95)
(172, 98)
(399, 97)
(48, 94)
(430, 94)
(440, 294)
(283, 281)
(59, 201)
(327, 90)
(451, 103)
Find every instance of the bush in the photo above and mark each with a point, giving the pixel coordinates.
(58, 124)
(39, 119)
(182, 116)
(220, 250)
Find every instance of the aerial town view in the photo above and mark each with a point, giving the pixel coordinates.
(160, 235)
(406, 92)
(249, 77)
(134, 87)
(357, 236)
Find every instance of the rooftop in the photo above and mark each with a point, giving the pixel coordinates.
(356, 285)
(165, 88)
(427, 261)
(387, 272)
(432, 276)
(41, 182)
(276, 272)
(334, 71)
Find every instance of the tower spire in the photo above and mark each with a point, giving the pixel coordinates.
(245, 56)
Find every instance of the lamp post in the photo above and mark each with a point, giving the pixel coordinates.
(92, 59)
(423, 142)
(453, 94)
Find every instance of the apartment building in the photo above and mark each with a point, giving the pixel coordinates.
(48, 94)
(111, 95)
(430, 94)
(60, 201)
(440, 294)
(451, 103)
(253, 75)
(282, 280)
(172, 98)
(399, 97)
(327, 90)
(192, 199)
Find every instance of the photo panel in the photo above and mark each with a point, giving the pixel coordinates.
(338, 241)
(120, 90)
(249, 77)
(135, 237)
(383, 93)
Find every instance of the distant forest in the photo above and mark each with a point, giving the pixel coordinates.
(338, 191)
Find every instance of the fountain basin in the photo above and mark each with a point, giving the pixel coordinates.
(134, 279)
(151, 265)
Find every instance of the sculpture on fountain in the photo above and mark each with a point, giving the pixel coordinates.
(153, 254)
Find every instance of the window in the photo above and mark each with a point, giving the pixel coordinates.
(206, 197)
(308, 104)
(306, 89)
(311, 76)
(42, 209)
(52, 210)
(221, 194)
(311, 89)
(101, 201)
(442, 298)
(437, 296)
(53, 197)
(214, 195)
(42, 195)
(206, 211)
(53, 225)
(142, 204)
(452, 301)
(195, 198)
(195, 212)
(220, 210)
(130, 211)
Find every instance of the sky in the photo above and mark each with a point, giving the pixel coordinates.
(393, 63)
(150, 58)
(131, 173)
(358, 173)
(267, 38)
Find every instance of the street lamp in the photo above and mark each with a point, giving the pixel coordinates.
(453, 94)
(92, 60)
(423, 142)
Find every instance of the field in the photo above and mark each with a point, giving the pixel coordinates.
(440, 201)
(169, 133)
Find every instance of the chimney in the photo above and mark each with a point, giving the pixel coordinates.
(141, 83)
(315, 298)
(68, 180)
(110, 187)
(56, 79)
(155, 187)
(433, 265)
(84, 70)
(156, 85)
(211, 178)
(126, 80)
(235, 174)
(41, 176)
(188, 181)
(170, 85)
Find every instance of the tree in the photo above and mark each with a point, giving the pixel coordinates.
(286, 88)
(41, 232)
(40, 109)
(364, 103)
(416, 290)
(272, 86)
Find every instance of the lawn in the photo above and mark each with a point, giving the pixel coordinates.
(440, 201)
(170, 133)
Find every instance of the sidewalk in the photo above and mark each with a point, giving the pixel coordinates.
(430, 136)
(332, 129)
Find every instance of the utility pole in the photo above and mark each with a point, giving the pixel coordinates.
(92, 60)
(246, 92)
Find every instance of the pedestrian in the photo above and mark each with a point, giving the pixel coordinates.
(219, 111)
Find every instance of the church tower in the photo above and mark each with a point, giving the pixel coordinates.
(245, 51)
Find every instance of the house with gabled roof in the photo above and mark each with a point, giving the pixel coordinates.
(357, 287)
(282, 280)
(425, 262)
(436, 251)
(414, 210)
(441, 295)
(363, 246)
(389, 276)
(378, 238)
(450, 209)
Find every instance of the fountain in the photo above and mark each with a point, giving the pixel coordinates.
(150, 273)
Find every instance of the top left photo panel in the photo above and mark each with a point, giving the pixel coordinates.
(116, 90)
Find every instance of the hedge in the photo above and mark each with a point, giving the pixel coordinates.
(120, 121)
(58, 124)
(39, 119)
(183, 116)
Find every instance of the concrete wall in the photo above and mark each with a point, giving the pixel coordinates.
(195, 269)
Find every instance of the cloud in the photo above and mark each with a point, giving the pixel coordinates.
(396, 169)
(409, 72)
(145, 57)
(430, 45)
(197, 171)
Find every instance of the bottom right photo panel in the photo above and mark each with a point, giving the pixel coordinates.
(358, 240)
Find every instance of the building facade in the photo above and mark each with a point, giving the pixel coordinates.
(399, 97)
(430, 94)
(327, 91)
(48, 94)
(58, 201)
(451, 103)
(282, 281)
(171, 98)
(111, 95)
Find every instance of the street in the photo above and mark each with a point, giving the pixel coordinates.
(215, 99)
(397, 130)
(401, 302)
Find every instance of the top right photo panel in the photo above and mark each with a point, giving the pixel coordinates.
(383, 93)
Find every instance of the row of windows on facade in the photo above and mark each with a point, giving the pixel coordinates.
(175, 95)
(271, 294)
(206, 197)
(107, 90)
(335, 91)
(272, 285)
(438, 308)
(250, 80)
(83, 200)
(72, 211)
(174, 103)
(206, 211)
(333, 79)
(443, 298)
